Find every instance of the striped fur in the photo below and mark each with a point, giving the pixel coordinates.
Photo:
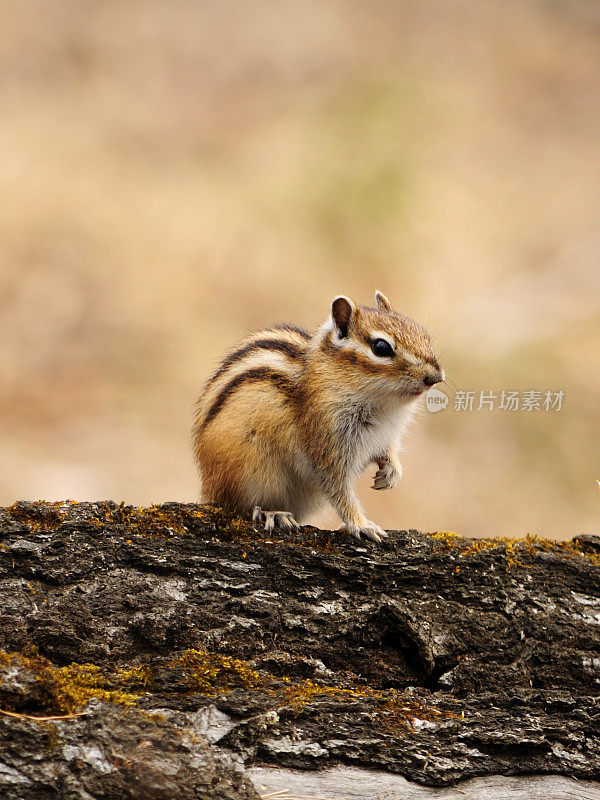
(278, 379)
(289, 348)
(289, 419)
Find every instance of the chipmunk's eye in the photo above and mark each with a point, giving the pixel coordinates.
(382, 348)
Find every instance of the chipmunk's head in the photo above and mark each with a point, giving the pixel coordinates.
(383, 348)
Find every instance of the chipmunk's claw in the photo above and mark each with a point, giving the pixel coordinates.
(271, 520)
(387, 476)
(369, 531)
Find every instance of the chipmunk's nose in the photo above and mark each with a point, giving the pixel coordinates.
(434, 376)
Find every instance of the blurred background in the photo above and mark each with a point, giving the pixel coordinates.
(178, 173)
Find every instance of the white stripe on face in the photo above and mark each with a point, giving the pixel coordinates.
(409, 356)
(350, 343)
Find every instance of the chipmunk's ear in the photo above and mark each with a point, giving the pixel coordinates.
(342, 313)
(382, 302)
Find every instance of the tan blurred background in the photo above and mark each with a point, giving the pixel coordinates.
(175, 174)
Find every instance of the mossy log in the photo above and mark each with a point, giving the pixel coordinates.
(156, 653)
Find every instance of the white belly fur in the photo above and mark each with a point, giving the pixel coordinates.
(382, 435)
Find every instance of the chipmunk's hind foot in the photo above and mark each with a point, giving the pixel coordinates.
(369, 531)
(271, 520)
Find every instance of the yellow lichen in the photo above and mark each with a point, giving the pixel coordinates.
(75, 685)
(512, 547)
(211, 674)
(152, 521)
(135, 679)
(64, 690)
(164, 521)
(396, 711)
(40, 516)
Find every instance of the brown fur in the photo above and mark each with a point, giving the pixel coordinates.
(289, 419)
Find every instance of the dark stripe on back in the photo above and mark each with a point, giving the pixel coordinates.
(292, 329)
(255, 375)
(291, 349)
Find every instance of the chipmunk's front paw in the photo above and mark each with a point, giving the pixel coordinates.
(388, 474)
(368, 531)
(270, 520)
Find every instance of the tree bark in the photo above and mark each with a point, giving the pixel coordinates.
(183, 645)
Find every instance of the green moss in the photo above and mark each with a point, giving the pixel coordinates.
(40, 516)
(64, 690)
(394, 711)
(152, 521)
(513, 548)
(399, 712)
(168, 521)
(75, 685)
(156, 520)
(212, 674)
(135, 679)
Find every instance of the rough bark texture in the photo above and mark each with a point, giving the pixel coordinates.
(191, 644)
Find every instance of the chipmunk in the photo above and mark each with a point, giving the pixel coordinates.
(291, 419)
